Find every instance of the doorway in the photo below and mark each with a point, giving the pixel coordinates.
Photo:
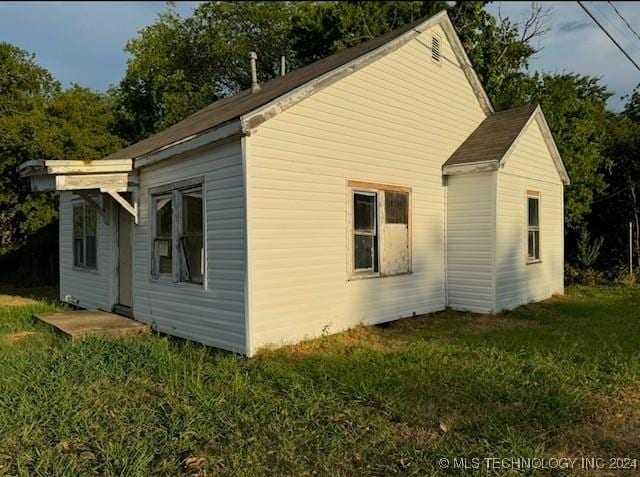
(125, 262)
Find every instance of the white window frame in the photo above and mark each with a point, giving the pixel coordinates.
(375, 252)
(369, 188)
(82, 266)
(175, 191)
(531, 194)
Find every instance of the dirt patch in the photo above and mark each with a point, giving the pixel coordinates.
(9, 300)
(612, 430)
(20, 336)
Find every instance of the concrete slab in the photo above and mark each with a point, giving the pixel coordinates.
(82, 323)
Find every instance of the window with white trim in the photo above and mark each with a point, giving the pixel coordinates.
(533, 227)
(178, 232)
(85, 231)
(380, 230)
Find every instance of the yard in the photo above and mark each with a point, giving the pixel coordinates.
(558, 379)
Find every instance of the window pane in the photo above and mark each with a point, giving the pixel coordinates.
(91, 223)
(396, 207)
(533, 245)
(164, 213)
(91, 252)
(164, 253)
(194, 255)
(78, 252)
(364, 251)
(192, 213)
(533, 212)
(78, 221)
(364, 208)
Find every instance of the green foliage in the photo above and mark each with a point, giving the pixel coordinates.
(179, 65)
(575, 108)
(588, 251)
(40, 121)
(371, 401)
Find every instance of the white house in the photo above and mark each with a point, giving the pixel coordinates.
(372, 185)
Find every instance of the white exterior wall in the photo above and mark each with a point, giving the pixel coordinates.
(470, 241)
(214, 314)
(395, 121)
(91, 288)
(529, 167)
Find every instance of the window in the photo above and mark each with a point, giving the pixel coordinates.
(178, 232)
(365, 235)
(533, 227)
(163, 241)
(85, 225)
(380, 230)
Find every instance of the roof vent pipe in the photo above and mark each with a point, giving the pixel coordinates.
(283, 65)
(254, 74)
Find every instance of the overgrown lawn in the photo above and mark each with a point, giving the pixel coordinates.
(549, 380)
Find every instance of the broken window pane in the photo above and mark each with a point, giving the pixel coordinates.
(91, 224)
(364, 208)
(164, 216)
(192, 238)
(163, 241)
(396, 207)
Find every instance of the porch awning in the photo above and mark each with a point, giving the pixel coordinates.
(107, 176)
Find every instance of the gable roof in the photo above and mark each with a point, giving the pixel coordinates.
(226, 110)
(493, 140)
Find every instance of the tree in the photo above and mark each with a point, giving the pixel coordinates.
(179, 65)
(575, 108)
(41, 121)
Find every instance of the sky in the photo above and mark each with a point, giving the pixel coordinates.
(82, 42)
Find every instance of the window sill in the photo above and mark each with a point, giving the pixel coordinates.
(168, 281)
(533, 262)
(366, 276)
(93, 271)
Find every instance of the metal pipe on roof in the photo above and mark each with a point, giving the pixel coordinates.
(254, 73)
(283, 65)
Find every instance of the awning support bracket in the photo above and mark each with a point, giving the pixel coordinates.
(131, 208)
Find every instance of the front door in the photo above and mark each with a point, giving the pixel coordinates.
(125, 258)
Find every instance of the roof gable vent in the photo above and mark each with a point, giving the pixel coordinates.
(435, 49)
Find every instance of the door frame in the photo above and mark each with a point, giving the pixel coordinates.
(116, 210)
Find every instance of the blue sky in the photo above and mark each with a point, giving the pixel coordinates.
(82, 42)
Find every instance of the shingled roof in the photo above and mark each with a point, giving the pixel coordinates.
(493, 138)
(233, 107)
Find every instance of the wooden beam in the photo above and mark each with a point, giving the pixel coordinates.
(131, 208)
(89, 167)
(116, 182)
(94, 205)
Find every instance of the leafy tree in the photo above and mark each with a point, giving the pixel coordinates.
(575, 108)
(41, 121)
(179, 65)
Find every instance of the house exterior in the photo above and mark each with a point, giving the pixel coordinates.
(372, 185)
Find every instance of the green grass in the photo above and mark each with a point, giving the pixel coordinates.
(372, 401)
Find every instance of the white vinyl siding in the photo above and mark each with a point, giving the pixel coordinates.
(470, 239)
(86, 288)
(528, 168)
(212, 313)
(395, 121)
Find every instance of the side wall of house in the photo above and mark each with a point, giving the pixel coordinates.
(395, 121)
(470, 238)
(213, 314)
(86, 288)
(530, 167)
